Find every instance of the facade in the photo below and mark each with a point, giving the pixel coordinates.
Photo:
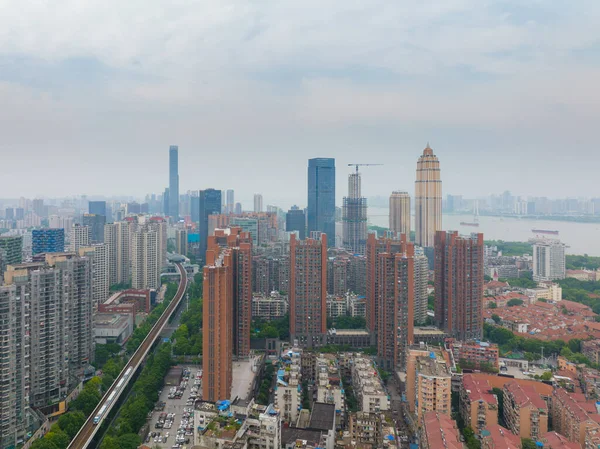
(497, 437)
(217, 331)
(369, 390)
(428, 381)
(98, 255)
(181, 241)
(118, 238)
(174, 182)
(571, 416)
(295, 220)
(525, 412)
(476, 355)
(258, 203)
(376, 247)
(239, 245)
(270, 307)
(400, 213)
(428, 199)
(210, 204)
(421, 284)
(97, 208)
(14, 364)
(321, 197)
(459, 284)
(440, 431)
(478, 405)
(145, 259)
(354, 217)
(308, 290)
(395, 306)
(366, 428)
(548, 260)
(47, 241)
(288, 395)
(79, 237)
(230, 203)
(13, 249)
(95, 223)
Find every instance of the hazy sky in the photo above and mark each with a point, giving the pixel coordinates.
(94, 92)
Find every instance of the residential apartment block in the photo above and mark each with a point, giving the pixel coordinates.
(525, 412)
(368, 387)
(478, 405)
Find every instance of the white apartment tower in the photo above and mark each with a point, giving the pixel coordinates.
(98, 254)
(80, 237)
(421, 278)
(548, 260)
(145, 259)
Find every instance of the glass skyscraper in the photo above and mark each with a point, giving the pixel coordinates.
(48, 241)
(321, 197)
(210, 204)
(174, 182)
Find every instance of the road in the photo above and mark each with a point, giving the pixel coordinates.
(89, 429)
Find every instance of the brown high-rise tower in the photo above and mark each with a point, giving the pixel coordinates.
(459, 284)
(308, 290)
(428, 198)
(227, 309)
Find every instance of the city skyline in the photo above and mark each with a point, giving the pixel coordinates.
(505, 87)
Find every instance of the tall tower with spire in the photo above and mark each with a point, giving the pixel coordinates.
(355, 217)
(428, 198)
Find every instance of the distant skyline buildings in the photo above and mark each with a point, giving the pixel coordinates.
(174, 182)
(258, 202)
(400, 213)
(210, 204)
(321, 197)
(354, 217)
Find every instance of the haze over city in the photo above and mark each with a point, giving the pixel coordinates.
(94, 93)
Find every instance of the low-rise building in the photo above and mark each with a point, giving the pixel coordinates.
(328, 383)
(270, 307)
(525, 412)
(112, 328)
(478, 405)
(497, 437)
(439, 430)
(368, 387)
(288, 392)
(355, 338)
(336, 306)
(475, 355)
(366, 429)
(571, 413)
(428, 381)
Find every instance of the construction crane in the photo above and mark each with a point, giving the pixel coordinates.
(361, 165)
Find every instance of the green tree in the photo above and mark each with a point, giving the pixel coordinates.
(43, 443)
(129, 441)
(496, 318)
(514, 302)
(110, 442)
(58, 437)
(71, 422)
(575, 345)
(527, 443)
(492, 305)
(546, 376)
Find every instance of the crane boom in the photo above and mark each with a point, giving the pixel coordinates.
(361, 165)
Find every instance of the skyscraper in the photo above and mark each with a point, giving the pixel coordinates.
(421, 283)
(38, 207)
(47, 241)
(395, 305)
(308, 290)
(174, 182)
(258, 202)
(238, 208)
(230, 202)
(217, 329)
(295, 220)
(97, 208)
(428, 199)
(98, 255)
(548, 260)
(13, 248)
(239, 245)
(181, 241)
(354, 217)
(400, 213)
(210, 204)
(459, 284)
(165, 202)
(145, 258)
(96, 224)
(321, 197)
(376, 247)
(118, 238)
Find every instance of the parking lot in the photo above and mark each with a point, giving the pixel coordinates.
(172, 421)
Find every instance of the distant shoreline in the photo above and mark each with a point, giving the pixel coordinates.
(569, 219)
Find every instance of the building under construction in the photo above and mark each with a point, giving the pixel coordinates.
(355, 217)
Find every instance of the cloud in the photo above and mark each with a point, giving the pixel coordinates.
(114, 79)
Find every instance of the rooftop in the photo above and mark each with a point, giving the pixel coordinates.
(497, 437)
(442, 431)
(322, 416)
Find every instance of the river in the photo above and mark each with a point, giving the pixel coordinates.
(581, 238)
